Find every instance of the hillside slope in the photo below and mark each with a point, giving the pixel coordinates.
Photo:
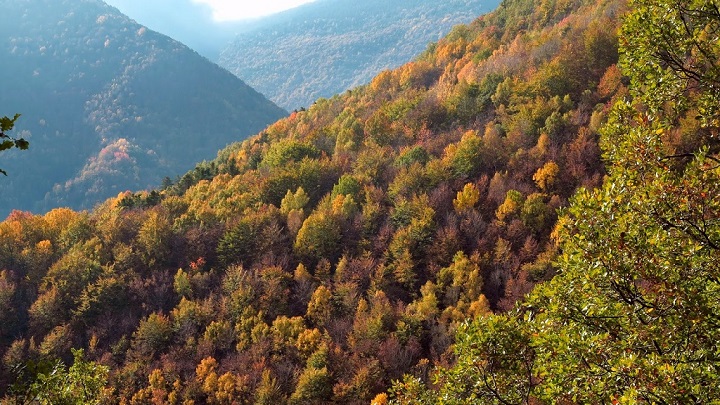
(341, 247)
(328, 46)
(109, 105)
(632, 315)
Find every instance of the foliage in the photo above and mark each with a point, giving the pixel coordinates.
(467, 198)
(8, 142)
(284, 152)
(82, 383)
(342, 247)
(631, 316)
(495, 365)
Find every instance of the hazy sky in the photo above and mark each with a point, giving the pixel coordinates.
(228, 10)
(204, 25)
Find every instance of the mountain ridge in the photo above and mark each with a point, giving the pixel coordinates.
(87, 77)
(328, 46)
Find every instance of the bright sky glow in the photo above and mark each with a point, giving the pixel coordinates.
(230, 10)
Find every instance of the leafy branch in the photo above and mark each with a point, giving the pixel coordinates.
(8, 142)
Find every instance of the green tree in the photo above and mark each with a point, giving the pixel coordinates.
(465, 156)
(495, 366)
(314, 386)
(286, 151)
(513, 203)
(81, 384)
(670, 50)
(152, 335)
(294, 202)
(321, 235)
(8, 142)
(320, 307)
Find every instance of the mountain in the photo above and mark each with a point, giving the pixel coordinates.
(184, 20)
(328, 46)
(108, 105)
(396, 229)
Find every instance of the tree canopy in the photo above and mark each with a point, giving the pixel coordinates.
(344, 246)
(632, 316)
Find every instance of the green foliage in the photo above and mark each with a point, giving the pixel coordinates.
(319, 236)
(82, 383)
(268, 391)
(152, 335)
(239, 243)
(472, 99)
(409, 156)
(466, 159)
(141, 200)
(347, 185)
(242, 242)
(511, 206)
(535, 213)
(314, 385)
(8, 142)
(154, 238)
(320, 307)
(314, 176)
(670, 52)
(294, 202)
(461, 280)
(284, 152)
(495, 365)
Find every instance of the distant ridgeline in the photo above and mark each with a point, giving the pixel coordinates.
(328, 46)
(108, 105)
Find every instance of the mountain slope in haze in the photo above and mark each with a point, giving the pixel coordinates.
(189, 22)
(328, 46)
(108, 105)
(341, 247)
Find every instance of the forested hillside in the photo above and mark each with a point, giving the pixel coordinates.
(343, 247)
(328, 46)
(632, 315)
(108, 105)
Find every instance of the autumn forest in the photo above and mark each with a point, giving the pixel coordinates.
(526, 213)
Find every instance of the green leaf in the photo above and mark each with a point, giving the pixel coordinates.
(22, 144)
(7, 124)
(7, 144)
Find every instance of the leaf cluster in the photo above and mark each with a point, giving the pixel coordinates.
(8, 142)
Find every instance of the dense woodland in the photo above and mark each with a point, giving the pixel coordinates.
(108, 105)
(380, 245)
(344, 43)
